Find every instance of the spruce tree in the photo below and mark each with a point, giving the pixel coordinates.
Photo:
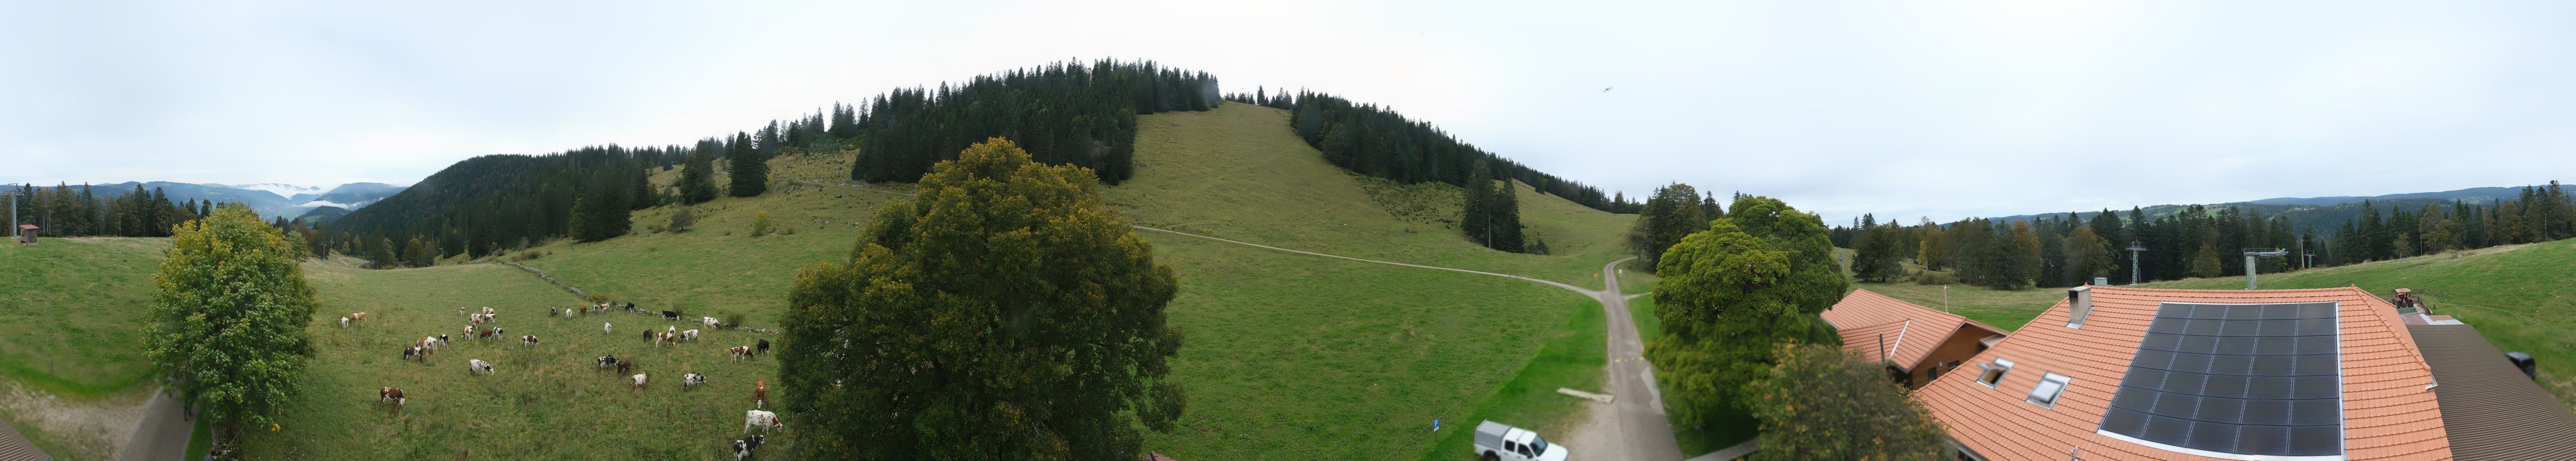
(750, 167)
(1506, 209)
(1476, 217)
(697, 179)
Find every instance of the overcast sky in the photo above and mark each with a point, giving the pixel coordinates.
(1904, 109)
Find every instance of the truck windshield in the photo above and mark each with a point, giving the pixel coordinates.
(1538, 446)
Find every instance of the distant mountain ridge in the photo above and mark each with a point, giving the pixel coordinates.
(271, 200)
(2473, 194)
(2323, 212)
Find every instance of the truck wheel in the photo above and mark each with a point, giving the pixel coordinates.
(1489, 456)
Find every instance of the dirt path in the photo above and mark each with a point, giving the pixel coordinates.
(89, 428)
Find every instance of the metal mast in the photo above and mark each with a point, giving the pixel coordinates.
(2135, 247)
(2250, 254)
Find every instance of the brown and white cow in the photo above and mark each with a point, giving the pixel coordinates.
(759, 393)
(740, 352)
(639, 381)
(390, 394)
(527, 340)
(766, 421)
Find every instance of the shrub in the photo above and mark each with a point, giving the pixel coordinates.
(760, 223)
(681, 219)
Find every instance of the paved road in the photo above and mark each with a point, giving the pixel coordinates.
(162, 435)
(1643, 426)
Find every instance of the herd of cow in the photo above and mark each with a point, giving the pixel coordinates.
(474, 329)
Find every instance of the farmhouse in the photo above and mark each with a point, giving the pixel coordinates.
(2256, 375)
(1917, 343)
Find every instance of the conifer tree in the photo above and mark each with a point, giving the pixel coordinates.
(697, 179)
(1672, 213)
(751, 167)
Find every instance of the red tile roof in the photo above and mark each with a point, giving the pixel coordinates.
(2388, 412)
(1912, 331)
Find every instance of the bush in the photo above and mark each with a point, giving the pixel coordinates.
(1822, 403)
(1936, 278)
(733, 320)
(760, 223)
(681, 219)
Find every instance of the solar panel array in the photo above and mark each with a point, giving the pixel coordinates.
(2252, 379)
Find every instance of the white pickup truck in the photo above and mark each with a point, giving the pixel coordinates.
(1499, 442)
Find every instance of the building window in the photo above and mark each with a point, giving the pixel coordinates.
(1994, 372)
(2045, 393)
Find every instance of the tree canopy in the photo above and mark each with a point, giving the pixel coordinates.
(1004, 313)
(1672, 213)
(1822, 403)
(1731, 295)
(229, 308)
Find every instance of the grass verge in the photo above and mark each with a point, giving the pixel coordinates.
(1571, 358)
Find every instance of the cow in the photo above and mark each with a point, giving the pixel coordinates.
(759, 393)
(742, 448)
(766, 421)
(639, 381)
(496, 333)
(624, 365)
(606, 329)
(711, 322)
(487, 311)
(442, 339)
(358, 317)
(344, 322)
(389, 394)
(478, 367)
(469, 332)
(554, 311)
(631, 307)
(606, 361)
(688, 335)
(413, 353)
(763, 346)
(527, 340)
(692, 381)
(669, 315)
(431, 341)
(648, 335)
(739, 352)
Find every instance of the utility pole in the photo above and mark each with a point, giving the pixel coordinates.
(13, 214)
(2250, 254)
(2135, 247)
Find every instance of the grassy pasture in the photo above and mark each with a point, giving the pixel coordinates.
(71, 312)
(543, 402)
(1289, 357)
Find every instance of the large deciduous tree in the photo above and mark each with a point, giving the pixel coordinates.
(1005, 313)
(1821, 403)
(1731, 295)
(229, 308)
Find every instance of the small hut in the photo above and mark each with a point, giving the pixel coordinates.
(27, 234)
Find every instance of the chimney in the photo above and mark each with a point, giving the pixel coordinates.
(2079, 304)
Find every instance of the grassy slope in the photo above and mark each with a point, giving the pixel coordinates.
(545, 402)
(1290, 356)
(1238, 172)
(71, 312)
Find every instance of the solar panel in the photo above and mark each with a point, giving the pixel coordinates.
(2247, 379)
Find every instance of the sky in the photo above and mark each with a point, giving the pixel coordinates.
(1902, 109)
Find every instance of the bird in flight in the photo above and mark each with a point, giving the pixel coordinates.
(1605, 89)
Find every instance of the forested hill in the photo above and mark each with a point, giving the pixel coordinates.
(1063, 113)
